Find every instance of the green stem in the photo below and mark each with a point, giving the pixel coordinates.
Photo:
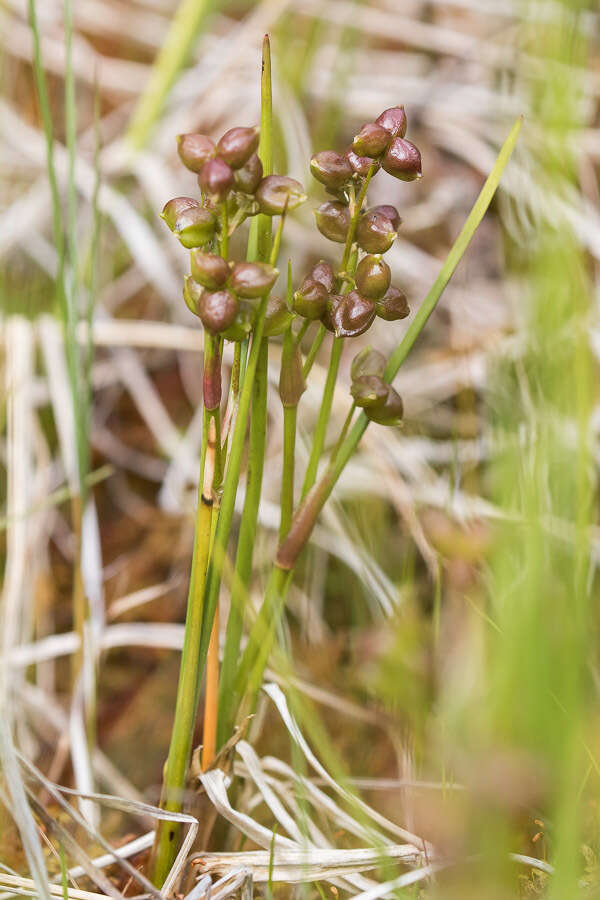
(343, 432)
(302, 331)
(287, 475)
(314, 349)
(324, 414)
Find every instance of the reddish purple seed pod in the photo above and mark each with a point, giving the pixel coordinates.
(402, 160)
(216, 179)
(352, 315)
(237, 146)
(373, 276)
(252, 280)
(372, 140)
(393, 120)
(323, 272)
(218, 310)
(331, 169)
(249, 176)
(360, 165)
(333, 220)
(375, 233)
(310, 301)
(393, 306)
(278, 192)
(195, 150)
(390, 212)
(209, 270)
(175, 207)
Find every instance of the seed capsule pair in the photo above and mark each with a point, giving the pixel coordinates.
(193, 224)
(380, 401)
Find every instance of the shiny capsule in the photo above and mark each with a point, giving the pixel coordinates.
(393, 120)
(216, 179)
(252, 280)
(195, 226)
(218, 310)
(278, 192)
(248, 177)
(369, 391)
(175, 207)
(360, 165)
(373, 276)
(393, 306)
(331, 169)
(388, 413)
(372, 140)
(237, 146)
(402, 160)
(375, 232)
(352, 314)
(209, 270)
(333, 220)
(390, 212)
(310, 301)
(323, 273)
(195, 150)
(192, 292)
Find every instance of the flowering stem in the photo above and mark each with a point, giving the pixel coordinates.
(314, 349)
(324, 414)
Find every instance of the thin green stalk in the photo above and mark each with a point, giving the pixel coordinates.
(320, 432)
(287, 476)
(302, 331)
(183, 32)
(314, 349)
(262, 634)
(343, 432)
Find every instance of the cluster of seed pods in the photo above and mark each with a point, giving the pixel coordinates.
(379, 144)
(226, 294)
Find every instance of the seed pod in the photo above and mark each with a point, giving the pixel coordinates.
(241, 327)
(393, 120)
(402, 160)
(360, 165)
(333, 220)
(237, 146)
(393, 306)
(327, 317)
(192, 292)
(277, 317)
(323, 273)
(195, 150)
(218, 310)
(369, 391)
(390, 412)
(248, 177)
(209, 270)
(373, 276)
(375, 232)
(195, 226)
(372, 140)
(175, 207)
(291, 379)
(278, 192)
(331, 169)
(390, 212)
(310, 301)
(251, 280)
(216, 180)
(367, 362)
(352, 315)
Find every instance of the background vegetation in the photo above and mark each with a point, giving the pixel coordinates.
(436, 676)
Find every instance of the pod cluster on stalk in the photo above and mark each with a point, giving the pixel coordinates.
(347, 303)
(225, 294)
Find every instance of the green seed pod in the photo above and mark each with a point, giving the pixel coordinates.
(209, 270)
(367, 362)
(323, 273)
(333, 220)
(390, 412)
(216, 180)
(195, 150)
(218, 310)
(277, 317)
(291, 379)
(372, 140)
(241, 327)
(175, 207)
(360, 165)
(390, 212)
(237, 146)
(373, 277)
(192, 292)
(352, 315)
(369, 391)
(310, 301)
(278, 192)
(195, 227)
(402, 160)
(393, 120)
(393, 306)
(252, 280)
(248, 177)
(375, 232)
(331, 169)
